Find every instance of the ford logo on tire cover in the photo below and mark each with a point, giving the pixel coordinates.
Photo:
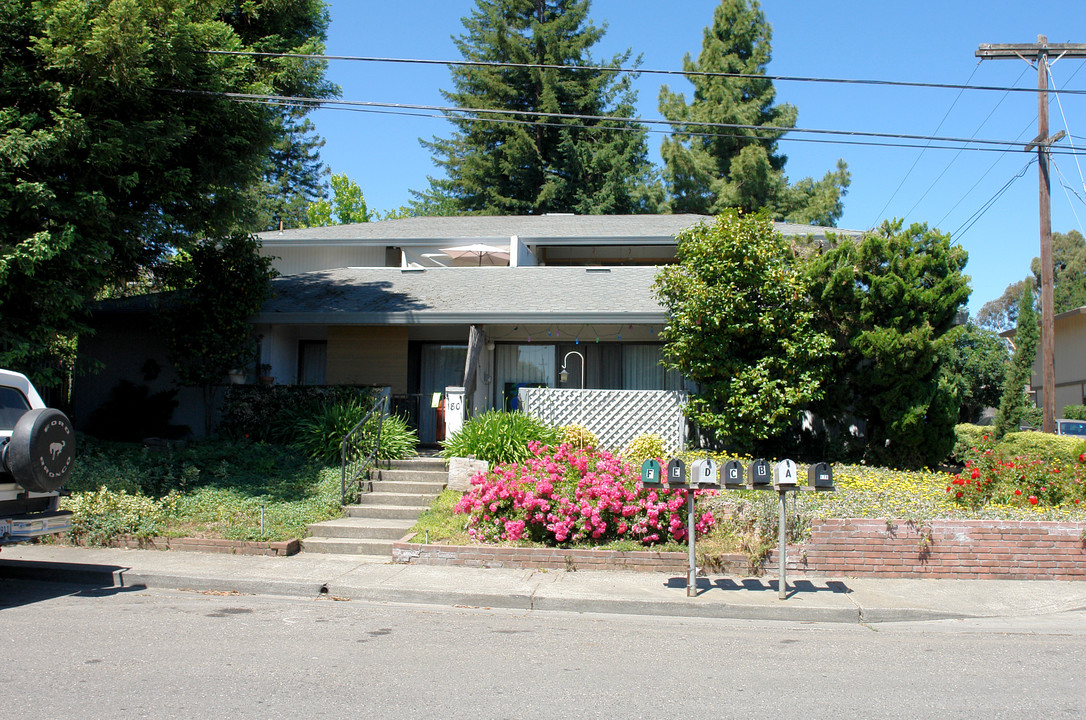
(41, 450)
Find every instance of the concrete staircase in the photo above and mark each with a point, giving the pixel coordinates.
(399, 495)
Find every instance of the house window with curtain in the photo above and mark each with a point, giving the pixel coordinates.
(312, 360)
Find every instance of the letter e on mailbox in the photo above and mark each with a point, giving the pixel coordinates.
(676, 473)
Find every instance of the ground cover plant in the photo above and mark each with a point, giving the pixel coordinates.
(214, 488)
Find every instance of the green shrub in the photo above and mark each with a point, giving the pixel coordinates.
(499, 437)
(267, 413)
(320, 434)
(1044, 446)
(102, 515)
(643, 447)
(966, 438)
(1075, 412)
(579, 436)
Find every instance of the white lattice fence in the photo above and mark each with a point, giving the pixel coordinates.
(615, 416)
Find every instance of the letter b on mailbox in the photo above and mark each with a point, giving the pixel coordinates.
(759, 473)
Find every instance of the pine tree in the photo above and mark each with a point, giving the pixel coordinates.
(293, 174)
(527, 164)
(707, 170)
(1014, 403)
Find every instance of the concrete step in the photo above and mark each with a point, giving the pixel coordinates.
(420, 463)
(403, 475)
(388, 512)
(382, 497)
(362, 528)
(347, 546)
(408, 486)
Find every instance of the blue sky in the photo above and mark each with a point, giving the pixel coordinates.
(856, 39)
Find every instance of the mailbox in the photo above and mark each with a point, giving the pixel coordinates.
(820, 475)
(705, 473)
(676, 473)
(732, 474)
(650, 473)
(759, 474)
(784, 474)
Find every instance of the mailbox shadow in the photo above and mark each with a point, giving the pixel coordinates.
(796, 587)
(27, 582)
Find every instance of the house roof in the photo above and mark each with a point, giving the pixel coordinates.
(530, 229)
(381, 296)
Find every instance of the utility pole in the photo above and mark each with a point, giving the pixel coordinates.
(1041, 50)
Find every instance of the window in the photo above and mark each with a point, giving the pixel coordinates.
(312, 360)
(12, 406)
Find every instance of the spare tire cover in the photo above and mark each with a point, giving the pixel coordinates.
(40, 453)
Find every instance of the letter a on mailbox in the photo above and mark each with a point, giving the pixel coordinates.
(650, 473)
(784, 473)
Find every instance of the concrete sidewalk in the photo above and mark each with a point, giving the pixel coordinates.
(849, 600)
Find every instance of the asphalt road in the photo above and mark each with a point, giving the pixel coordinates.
(121, 653)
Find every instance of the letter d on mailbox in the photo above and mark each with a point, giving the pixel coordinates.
(704, 473)
(676, 473)
(650, 473)
(820, 475)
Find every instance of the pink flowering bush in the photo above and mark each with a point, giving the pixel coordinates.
(573, 495)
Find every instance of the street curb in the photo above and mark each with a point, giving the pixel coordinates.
(102, 576)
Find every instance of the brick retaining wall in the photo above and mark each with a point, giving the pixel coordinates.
(838, 547)
(980, 549)
(552, 558)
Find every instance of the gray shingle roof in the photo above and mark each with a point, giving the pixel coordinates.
(378, 296)
(531, 229)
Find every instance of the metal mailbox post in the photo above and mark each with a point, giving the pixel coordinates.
(706, 474)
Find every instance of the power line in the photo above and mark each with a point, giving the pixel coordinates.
(921, 153)
(510, 121)
(633, 71)
(971, 221)
(1000, 145)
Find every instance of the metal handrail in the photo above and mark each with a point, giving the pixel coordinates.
(352, 458)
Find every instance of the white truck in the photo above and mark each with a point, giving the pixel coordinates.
(37, 447)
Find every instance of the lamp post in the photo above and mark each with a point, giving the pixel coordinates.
(564, 375)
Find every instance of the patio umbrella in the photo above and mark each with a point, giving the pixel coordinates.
(479, 253)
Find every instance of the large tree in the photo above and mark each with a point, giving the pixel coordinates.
(976, 364)
(889, 300)
(118, 145)
(740, 326)
(706, 168)
(508, 164)
(293, 177)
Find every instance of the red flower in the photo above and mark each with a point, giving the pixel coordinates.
(958, 494)
(1082, 457)
(1032, 499)
(975, 474)
(1017, 492)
